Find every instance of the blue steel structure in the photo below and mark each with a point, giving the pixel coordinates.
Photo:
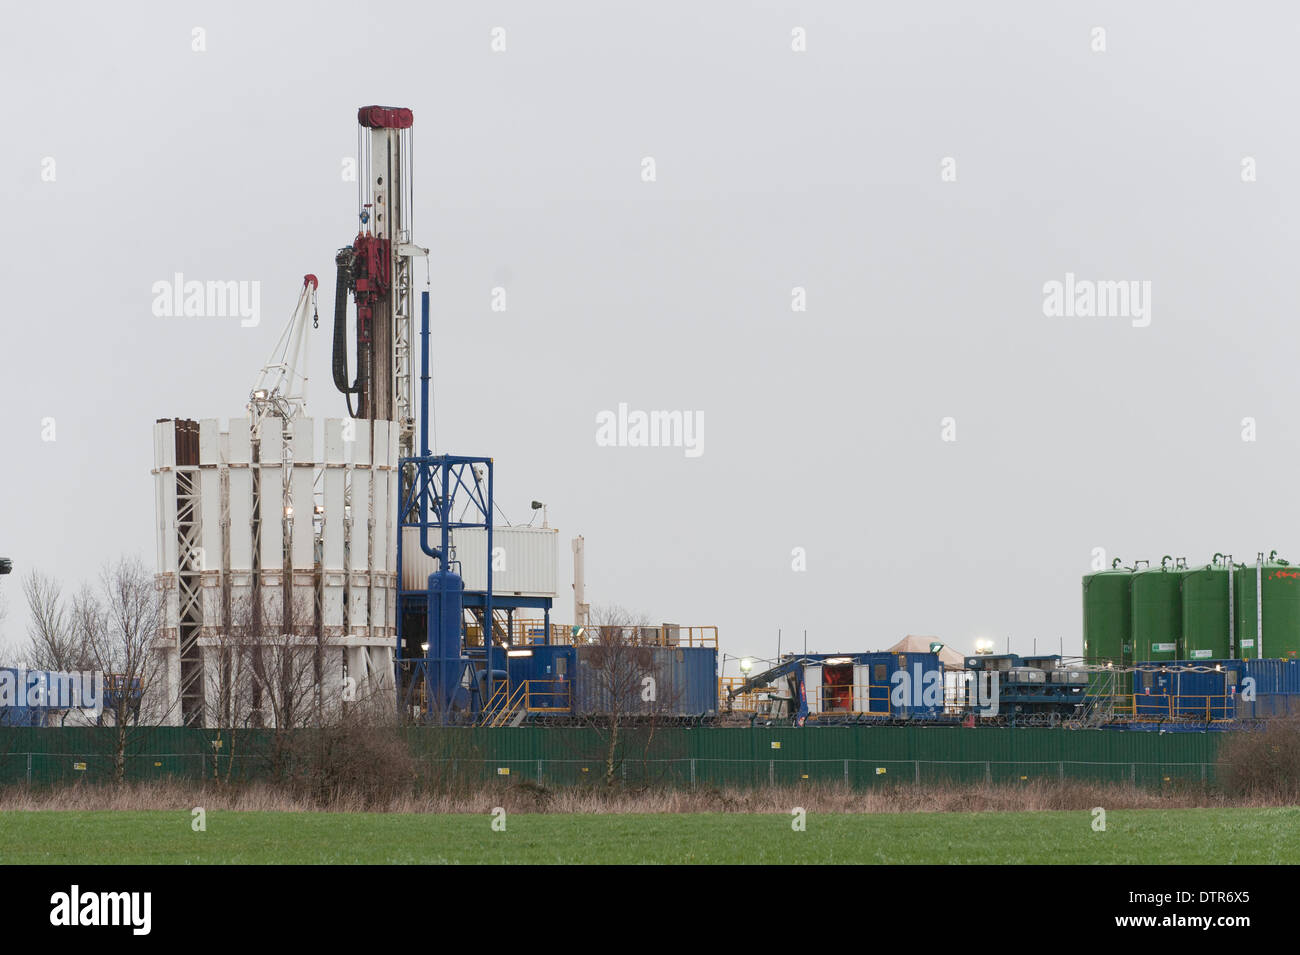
(450, 682)
(440, 483)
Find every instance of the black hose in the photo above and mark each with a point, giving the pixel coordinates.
(343, 284)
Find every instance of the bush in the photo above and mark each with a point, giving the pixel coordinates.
(1262, 763)
(357, 764)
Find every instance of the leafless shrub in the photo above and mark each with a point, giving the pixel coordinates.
(361, 759)
(1263, 763)
(631, 697)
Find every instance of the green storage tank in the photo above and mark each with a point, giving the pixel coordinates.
(1157, 609)
(1107, 616)
(1205, 609)
(1280, 583)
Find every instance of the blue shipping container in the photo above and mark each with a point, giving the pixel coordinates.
(685, 681)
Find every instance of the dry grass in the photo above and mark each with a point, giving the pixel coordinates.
(528, 798)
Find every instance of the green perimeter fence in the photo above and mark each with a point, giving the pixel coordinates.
(859, 756)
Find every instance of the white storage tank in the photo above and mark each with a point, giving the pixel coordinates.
(525, 563)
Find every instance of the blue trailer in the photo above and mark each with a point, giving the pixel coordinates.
(558, 683)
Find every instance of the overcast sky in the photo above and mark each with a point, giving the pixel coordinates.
(829, 168)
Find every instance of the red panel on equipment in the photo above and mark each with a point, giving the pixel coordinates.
(385, 117)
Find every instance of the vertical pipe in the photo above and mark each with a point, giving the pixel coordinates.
(424, 374)
(444, 516)
(487, 598)
(1232, 611)
(579, 581)
(1259, 607)
(397, 653)
(421, 472)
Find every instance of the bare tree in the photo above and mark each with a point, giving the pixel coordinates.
(625, 684)
(118, 628)
(270, 668)
(53, 642)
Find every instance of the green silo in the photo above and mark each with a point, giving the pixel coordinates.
(1107, 616)
(1205, 610)
(1280, 583)
(1157, 608)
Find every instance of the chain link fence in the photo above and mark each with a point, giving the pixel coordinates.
(695, 772)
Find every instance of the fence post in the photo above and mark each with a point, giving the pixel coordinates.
(29, 769)
(988, 771)
(846, 772)
(539, 772)
(771, 772)
(1061, 771)
(1133, 773)
(916, 766)
(692, 772)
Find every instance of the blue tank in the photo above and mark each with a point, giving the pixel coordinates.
(446, 597)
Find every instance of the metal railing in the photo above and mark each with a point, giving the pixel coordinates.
(528, 631)
(847, 699)
(752, 701)
(669, 636)
(498, 702)
(548, 696)
(851, 699)
(528, 696)
(1210, 707)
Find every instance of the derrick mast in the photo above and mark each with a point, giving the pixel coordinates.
(377, 270)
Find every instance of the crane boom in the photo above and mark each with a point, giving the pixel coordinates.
(281, 387)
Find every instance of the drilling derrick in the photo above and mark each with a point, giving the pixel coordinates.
(377, 271)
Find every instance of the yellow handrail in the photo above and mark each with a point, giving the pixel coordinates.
(530, 631)
(498, 699)
(552, 696)
(512, 704)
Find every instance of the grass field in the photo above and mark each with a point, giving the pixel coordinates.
(1178, 836)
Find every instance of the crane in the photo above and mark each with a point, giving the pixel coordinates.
(281, 388)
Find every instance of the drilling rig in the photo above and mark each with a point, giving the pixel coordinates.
(273, 543)
(377, 270)
(450, 495)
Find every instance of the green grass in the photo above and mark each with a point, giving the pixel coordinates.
(1180, 836)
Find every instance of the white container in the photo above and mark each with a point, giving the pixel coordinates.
(524, 565)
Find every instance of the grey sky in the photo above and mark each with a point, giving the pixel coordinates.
(775, 169)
